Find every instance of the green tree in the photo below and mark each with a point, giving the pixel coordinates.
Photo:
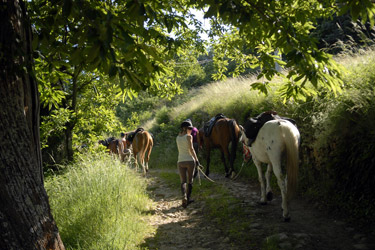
(132, 41)
(128, 41)
(264, 27)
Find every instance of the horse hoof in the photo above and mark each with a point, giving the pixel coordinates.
(287, 219)
(229, 174)
(269, 196)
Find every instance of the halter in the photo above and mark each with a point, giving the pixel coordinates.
(246, 152)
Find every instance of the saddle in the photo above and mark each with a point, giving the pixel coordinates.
(130, 136)
(253, 125)
(210, 124)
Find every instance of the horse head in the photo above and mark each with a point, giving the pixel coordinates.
(243, 138)
(103, 142)
(245, 148)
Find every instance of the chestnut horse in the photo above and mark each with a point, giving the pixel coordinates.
(224, 132)
(141, 145)
(115, 147)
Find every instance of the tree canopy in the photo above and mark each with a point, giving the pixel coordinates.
(136, 40)
(280, 32)
(137, 45)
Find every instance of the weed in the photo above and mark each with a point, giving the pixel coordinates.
(99, 203)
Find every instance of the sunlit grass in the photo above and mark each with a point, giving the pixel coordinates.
(220, 97)
(99, 203)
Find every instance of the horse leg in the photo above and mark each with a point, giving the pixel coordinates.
(142, 161)
(261, 178)
(208, 160)
(268, 183)
(148, 155)
(281, 182)
(136, 160)
(223, 159)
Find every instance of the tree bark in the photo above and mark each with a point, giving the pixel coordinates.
(26, 221)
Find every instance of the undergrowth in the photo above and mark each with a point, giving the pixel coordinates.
(99, 203)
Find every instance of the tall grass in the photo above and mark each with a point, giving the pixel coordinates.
(99, 203)
(220, 97)
(337, 132)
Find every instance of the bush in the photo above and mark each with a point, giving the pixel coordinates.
(99, 203)
(338, 151)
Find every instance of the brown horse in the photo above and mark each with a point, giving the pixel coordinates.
(141, 144)
(114, 146)
(224, 132)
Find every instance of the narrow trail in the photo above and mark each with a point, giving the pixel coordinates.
(190, 228)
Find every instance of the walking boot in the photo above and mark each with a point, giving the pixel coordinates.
(190, 189)
(184, 195)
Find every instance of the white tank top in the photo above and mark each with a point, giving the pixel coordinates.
(183, 149)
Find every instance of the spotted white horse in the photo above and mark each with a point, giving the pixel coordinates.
(276, 140)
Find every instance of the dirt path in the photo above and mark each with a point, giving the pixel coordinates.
(189, 228)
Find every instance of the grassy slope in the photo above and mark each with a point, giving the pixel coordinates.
(99, 203)
(326, 123)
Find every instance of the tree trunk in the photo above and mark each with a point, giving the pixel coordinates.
(25, 217)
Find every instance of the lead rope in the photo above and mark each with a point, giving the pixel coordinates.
(200, 169)
(238, 174)
(246, 155)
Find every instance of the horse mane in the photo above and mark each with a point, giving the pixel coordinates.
(139, 130)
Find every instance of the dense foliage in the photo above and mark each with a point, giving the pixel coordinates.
(340, 152)
(140, 45)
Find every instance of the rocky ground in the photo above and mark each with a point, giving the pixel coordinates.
(190, 228)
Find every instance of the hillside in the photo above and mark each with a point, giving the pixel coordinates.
(333, 172)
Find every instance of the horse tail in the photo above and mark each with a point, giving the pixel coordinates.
(234, 139)
(121, 149)
(291, 139)
(146, 139)
(150, 145)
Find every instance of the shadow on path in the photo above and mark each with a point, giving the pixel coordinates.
(191, 228)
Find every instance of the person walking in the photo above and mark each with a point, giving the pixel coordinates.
(187, 160)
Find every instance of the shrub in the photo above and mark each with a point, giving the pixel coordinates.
(99, 203)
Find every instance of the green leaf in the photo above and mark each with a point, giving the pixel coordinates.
(260, 86)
